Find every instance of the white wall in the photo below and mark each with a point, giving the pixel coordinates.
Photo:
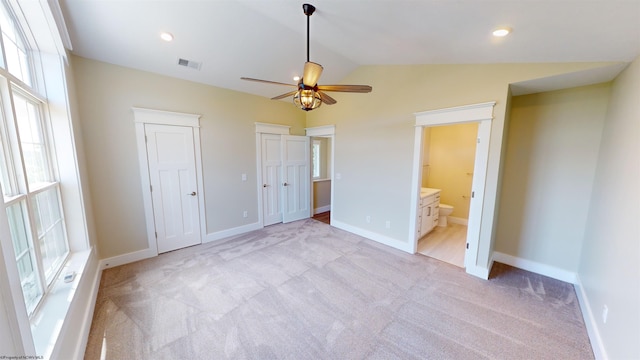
(609, 267)
(550, 162)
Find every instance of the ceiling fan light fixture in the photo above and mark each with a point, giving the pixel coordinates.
(307, 99)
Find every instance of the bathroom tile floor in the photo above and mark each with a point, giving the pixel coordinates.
(445, 243)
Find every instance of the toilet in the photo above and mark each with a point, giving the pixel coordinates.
(445, 210)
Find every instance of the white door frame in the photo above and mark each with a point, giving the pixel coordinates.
(327, 131)
(150, 116)
(481, 113)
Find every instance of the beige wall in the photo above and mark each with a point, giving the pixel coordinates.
(452, 152)
(106, 94)
(374, 138)
(609, 267)
(321, 194)
(552, 150)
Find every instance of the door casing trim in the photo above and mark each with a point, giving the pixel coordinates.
(144, 116)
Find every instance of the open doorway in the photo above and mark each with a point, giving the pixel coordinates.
(322, 146)
(482, 114)
(447, 173)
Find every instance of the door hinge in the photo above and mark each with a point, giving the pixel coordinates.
(151, 188)
(157, 237)
(478, 140)
(467, 245)
(145, 139)
(473, 194)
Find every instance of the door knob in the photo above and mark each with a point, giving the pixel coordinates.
(264, 185)
(285, 184)
(192, 194)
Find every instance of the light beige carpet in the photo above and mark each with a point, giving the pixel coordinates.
(306, 290)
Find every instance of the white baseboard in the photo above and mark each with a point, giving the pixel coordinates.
(383, 239)
(590, 322)
(322, 209)
(536, 267)
(88, 313)
(457, 220)
(127, 258)
(231, 232)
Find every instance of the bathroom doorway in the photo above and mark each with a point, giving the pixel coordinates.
(447, 171)
(482, 114)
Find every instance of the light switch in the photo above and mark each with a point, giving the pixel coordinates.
(244, 177)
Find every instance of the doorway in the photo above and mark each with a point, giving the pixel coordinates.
(172, 188)
(447, 172)
(482, 114)
(322, 174)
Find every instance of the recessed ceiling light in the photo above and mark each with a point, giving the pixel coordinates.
(166, 36)
(500, 32)
(296, 78)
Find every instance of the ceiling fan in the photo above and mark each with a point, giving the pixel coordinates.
(309, 95)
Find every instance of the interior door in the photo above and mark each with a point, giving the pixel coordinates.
(296, 178)
(172, 174)
(271, 178)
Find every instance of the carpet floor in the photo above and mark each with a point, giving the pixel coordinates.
(306, 290)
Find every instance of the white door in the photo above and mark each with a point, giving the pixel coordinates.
(271, 178)
(172, 174)
(477, 193)
(296, 178)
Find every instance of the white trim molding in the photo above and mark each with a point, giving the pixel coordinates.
(470, 113)
(264, 128)
(482, 113)
(223, 234)
(383, 239)
(597, 345)
(144, 116)
(327, 130)
(535, 267)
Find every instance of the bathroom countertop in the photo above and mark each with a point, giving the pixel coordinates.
(424, 192)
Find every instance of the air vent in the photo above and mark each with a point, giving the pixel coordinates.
(189, 63)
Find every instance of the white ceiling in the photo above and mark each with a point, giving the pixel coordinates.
(267, 39)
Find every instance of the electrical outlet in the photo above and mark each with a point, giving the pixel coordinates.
(245, 214)
(388, 224)
(368, 219)
(605, 313)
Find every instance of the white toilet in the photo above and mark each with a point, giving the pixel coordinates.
(445, 210)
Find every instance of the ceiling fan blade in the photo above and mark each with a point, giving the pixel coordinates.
(346, 88)
(266, 81)
(326, 98)
(311, 73)
(290, 93)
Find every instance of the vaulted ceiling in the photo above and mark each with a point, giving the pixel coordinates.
(267, 39)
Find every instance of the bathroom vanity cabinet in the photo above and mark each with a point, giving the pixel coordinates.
(429, 210)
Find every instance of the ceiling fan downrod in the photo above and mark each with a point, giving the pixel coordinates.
(308, 10)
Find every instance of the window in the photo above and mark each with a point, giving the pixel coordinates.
(15, 51)
(29, 182)
(316, 159)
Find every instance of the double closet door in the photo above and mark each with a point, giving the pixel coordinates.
(286, 178)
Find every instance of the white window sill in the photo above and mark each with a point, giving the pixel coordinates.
(323, 179)
(47, 321)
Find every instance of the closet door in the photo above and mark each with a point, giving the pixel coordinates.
(296, 178)
(271, 178)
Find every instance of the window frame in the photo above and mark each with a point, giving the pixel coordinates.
(20, 191)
